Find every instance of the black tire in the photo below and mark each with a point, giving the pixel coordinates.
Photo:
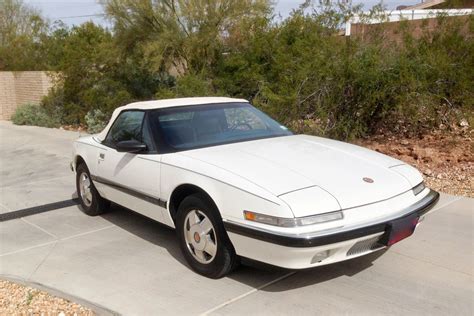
(225, 258)
(97, 205)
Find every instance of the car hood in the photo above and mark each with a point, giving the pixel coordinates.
(286, 164)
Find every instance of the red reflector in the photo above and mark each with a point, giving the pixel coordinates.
(400, 233)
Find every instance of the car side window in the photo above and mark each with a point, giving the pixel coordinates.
(127, 126)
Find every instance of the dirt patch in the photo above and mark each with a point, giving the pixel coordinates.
(446, 159)
(16, 299)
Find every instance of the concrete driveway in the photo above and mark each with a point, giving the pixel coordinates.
(133, 266)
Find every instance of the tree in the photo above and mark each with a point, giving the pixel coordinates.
(88, 63)
(21, 29)
(180, 35)
(93, 74)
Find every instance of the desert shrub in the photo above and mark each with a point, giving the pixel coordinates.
(53, 102)
(96, 75)
(96, 121)
(32, 114)
(298, 69)
(304, 74)
(188, 86)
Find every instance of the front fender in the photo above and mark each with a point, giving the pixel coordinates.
(231, 194)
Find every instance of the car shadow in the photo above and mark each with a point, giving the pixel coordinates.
(313, 276)
(164, 236)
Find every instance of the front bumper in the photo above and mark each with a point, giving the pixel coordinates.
(297, 251)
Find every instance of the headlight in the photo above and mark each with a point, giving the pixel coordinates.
(292, 222)
(417, 189)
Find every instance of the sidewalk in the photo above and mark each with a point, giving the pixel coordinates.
(132, 265)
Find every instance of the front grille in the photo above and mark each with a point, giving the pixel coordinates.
(364, 246)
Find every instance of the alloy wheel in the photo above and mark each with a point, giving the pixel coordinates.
(85, 189)
(200, 236)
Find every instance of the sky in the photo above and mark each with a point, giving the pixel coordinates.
(78, 11)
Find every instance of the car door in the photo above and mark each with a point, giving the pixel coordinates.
(131, 179)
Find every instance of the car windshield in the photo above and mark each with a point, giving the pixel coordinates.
(197, 126)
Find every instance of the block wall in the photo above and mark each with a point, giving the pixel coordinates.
(20, 87)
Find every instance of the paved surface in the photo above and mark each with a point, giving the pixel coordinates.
(34, 166)
(133, 266)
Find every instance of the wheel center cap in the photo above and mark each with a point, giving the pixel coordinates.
(197, 237)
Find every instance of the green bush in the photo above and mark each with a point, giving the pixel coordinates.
(96, 121)
(32, 114)
(305, 75)
(300, 69)
(188, 86)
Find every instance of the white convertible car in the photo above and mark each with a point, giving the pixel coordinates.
(234, 182)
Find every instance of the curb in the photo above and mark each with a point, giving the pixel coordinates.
(98, 309)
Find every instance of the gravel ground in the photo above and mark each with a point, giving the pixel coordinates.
(16, 299)
(446, 159)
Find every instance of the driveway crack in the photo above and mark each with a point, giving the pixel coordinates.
(42, 261)
(40, 228)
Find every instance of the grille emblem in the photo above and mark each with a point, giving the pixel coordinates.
(368, 180)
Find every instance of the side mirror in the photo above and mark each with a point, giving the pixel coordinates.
(130, 146)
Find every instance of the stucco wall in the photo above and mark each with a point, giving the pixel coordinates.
(417, 28)
(20, 87)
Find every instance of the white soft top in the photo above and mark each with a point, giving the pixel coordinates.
(166, 103)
